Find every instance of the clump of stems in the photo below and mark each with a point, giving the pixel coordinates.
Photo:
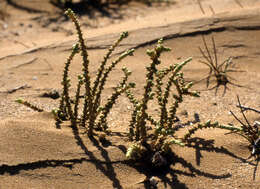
(157, 143)
(93, 114)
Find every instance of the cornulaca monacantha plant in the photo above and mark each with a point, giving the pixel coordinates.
(95, 112)
(155, 144)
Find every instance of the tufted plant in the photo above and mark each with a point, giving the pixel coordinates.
(168, 87)
(94, 112)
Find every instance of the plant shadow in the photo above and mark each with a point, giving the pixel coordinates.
(168, 175)
(104, 164)
(200, 144)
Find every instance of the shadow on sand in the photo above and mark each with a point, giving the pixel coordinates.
(169, 175)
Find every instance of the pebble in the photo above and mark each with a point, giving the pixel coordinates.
(5, 26)
(34, 78)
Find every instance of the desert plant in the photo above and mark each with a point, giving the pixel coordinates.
(155, 144)
(94, 113)
(216, 70)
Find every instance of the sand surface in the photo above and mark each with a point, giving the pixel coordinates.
(35, 41)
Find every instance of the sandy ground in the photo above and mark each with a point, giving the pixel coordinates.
(35, 40)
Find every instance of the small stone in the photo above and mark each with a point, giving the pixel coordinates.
(256, 124)
(5, 26)
(34, 78)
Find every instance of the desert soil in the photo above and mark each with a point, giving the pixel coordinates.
(35, 41)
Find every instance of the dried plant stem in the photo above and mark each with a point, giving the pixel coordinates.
(245, 108)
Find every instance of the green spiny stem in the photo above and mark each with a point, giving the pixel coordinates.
(105, 76)
(141, 127)
(198, 127)
(152, 121)
(160, 75)
(173, 110)
(75, 50)
(135, 151)
(164, 112)
(168, 143)
(112, 100)
(56, 113)
(132, 124)
(136, 105)
(208, 124)
(96, 104)
(88, 104)
(159, 91)
(178, 99)
(164, 72)
(108, 107)
(66, 85)
(141, 115)
(80, 83)
(179, 66)
(68, 103)
(146, 97)
(131, 98)
(29, 105)
(103, 63)
(172, 80)
(62, 113)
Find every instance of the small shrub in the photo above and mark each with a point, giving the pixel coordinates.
(155, 145)
(216, 70)
(94, 113)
